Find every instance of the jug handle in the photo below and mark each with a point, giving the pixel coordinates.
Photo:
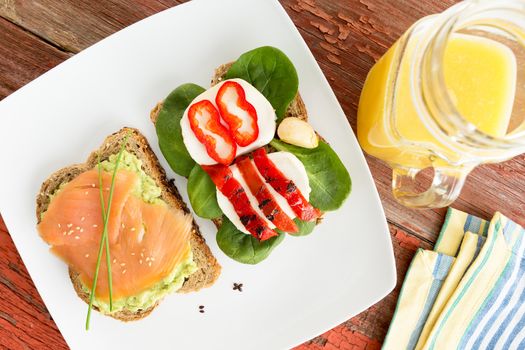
(445, 188)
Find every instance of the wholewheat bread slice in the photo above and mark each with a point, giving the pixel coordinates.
(208, 267)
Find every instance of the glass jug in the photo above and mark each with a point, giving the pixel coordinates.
(449, 94)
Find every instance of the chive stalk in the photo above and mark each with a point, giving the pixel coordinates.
(104, 241)
(108, 257)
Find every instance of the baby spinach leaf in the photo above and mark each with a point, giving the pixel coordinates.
(169, 131)
(244, 248)
(271, 72)
(305, 227)
(203, 194)
(329, 179)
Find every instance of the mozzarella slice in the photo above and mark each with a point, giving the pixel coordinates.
(290, 166)
(265, 121)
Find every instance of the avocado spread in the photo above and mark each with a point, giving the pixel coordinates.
(149, 192)
(146, 187)
(149, 297)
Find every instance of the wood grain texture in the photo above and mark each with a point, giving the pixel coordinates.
(23, 57)
(75, 25)
(25, 322)
(346, 37)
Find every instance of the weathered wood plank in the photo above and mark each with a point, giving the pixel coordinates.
(24, 320)
(75, 25)
(23, 57)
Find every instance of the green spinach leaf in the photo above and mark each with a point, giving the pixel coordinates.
(169, 131)
(271, 72)
(244, 248)
(203, 194)
(329, 179)
(305, 227)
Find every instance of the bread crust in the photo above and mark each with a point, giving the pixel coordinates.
(208, 267)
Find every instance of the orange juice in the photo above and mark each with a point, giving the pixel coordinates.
(480, 78)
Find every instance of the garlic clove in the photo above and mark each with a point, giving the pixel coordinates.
(297, 132)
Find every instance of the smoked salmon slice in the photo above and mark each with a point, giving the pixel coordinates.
(147, 240)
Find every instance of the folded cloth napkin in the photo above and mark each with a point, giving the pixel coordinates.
(487, 309)
(423, 280)
(470, 247)
(466, 293)
(456, 224)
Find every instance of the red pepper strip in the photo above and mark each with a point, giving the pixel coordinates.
(223, 178)
(267, 202)
(205, 122)
(242, 120)
(286, 188)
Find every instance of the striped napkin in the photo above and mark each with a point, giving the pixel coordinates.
(468, 293)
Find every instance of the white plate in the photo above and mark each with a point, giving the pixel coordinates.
(307, 286)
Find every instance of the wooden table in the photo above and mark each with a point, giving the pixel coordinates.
(346, 37)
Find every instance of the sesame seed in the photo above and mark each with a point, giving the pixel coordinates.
(65, 233)
(81, 230)
(82, 218)
(140, 261)
(78, 228)
(123, 264)
(132, 254)
(147, 259)
(70, 232)
(114, 261)
(69, 225)
(124, 271)
(86, 193)
(95, 225)
(123, 226)
(141, 255)
(87, 255)
(152, 259)
(93, 185)
(77, 237)
(149, 264)
(132, 229)
(58, 225)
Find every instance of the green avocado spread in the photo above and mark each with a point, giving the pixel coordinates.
(146, 187)
(149, 297)
(149, 192)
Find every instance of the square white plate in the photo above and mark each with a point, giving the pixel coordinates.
(307, 286)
